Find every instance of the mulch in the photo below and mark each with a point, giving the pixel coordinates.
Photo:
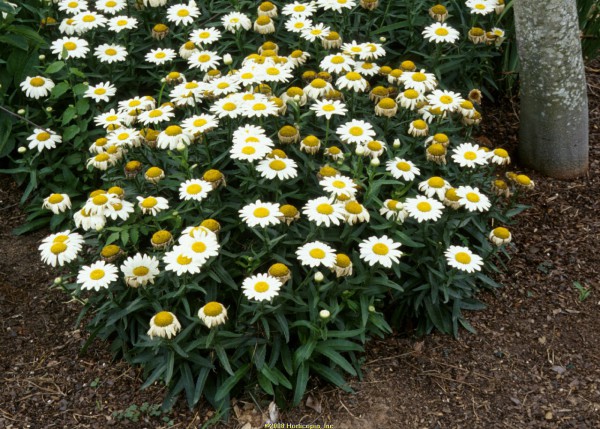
(533, 364)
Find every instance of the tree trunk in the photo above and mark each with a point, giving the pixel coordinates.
(553, 130)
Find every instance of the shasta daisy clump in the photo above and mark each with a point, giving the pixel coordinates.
(262, 186)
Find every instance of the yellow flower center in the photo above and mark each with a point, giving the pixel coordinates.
(160, 55)
(438, 9)
(318, 83)
(470, 155)
(277, 165)
(436, 149)
(466, 104)
(161, 237)
(229, 107)
(278, 270)
(184, 260)
(380, 249)
(342, 260)
(446, 99)
(212, 175)
(288, 210)
(501, 153)
(356, 131)
(334, 150)
(463, 258)
(199, 247)
(70, 46)
(141, 271)
(339, 184)
(436, 182)
(317, 253)
(387, 103)
(338, 59)
(403, 166)
(354, 207)
(419, 124)
(160, 28)
(451, 195)
(149, 202)
(261, 287)
(374, 145)
(261, 212)
(480, 6)
(110, 3)
(183, 13)
(411, 94)
(58, 248)
(162, 319)
(110, 250)
(392, 204)
(55, 198)
(173, 130)
(353, 76)
(473, 197)
(213, 309)
(100, 200)
(122, 22)
(441, 32)
(89, 18)
(419, 77)
(37, 81)
(263, 20)
(501, 232)
(523, 179)
(43, 136)
(424, 207)
(311, 141)
(325, 209)
(259, 107)
(476, 31)
(97, 274)
(156, 113)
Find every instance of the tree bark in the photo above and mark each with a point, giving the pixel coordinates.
(553, 133)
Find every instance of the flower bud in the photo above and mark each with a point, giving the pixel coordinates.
(99, 228)
(227, 59)
(58, 280)
(319, 277)
(375, 162)
(396, 143)
(21, 112)
(42, 57)
(360, 151)
(371, 309)
(181, 147)
(49, 109)
(382, 39)
(324, 314)
(22, 149)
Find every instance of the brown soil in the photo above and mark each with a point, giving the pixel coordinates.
(533, 364)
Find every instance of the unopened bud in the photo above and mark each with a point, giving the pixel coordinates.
(49, 109)
(396, 143)
(375, 162)
(21, 112)
(371, 309)
(360, 151)
(99, 228)
(58, 280)
(227, 59)
(175, 213)
(382, 39)
(324, 314)
(319, 277)
(181, 146)
(42, 57)
(22, 149)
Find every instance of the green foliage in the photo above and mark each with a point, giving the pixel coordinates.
(584, 292)
(317, 323)
(589, 23)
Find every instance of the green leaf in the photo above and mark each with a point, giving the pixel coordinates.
(301, 382)
(68, 115)
(265, 384)
(332, 376)
(230, 383)
(70, 132)
(282, 321)
(200, 382)
(56, 66)
(59, 89)
(339, 360)
(222, 355)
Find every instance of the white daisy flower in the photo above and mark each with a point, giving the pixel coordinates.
(57, 203)
(260, 214)
(481, 7)
(445, 100)
(328, 108)
(164, 325)
(156, 116)
(410, 98)
(111, 6)
(67, 26)
(356, 131)
(261, 287)
(160, 56)
(440, 32)
(60, 248)
(380, 250)
(472, 199)
(182, 14)
(420, 81)
(371, 51)
(123, 137)
(323, 212)
(152, 205)
(172, 136)
(282, 168)
(201, 123)
(296, 24)
(500, 236)
(121, 209)
(337, 63)
(120, 23)
(204, 60)
(199, 246)
(353, 48)
(88, 222)
(205, 36)
(139, 270)
(469, 155)
(462, 258)
(101, 92)
(354, 212)
(336, 5)
(339, 185)
(110, 53)
(227, 107)
(88, 20)
(235, 21)
(37, 86)
(72, 6)
(423, 208)
(194, 189)
(73, 46)
(176, 261)
(42, 139)
(434, 186)
(213, 314)
(402, 169)
(259, 109)
(316, 253)
(315, 32)
(317, 88)
(250, 151)
(499, 156)
(101, 203)
(97, 275)
(299, 9)
(352, 80)
(393, 210)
